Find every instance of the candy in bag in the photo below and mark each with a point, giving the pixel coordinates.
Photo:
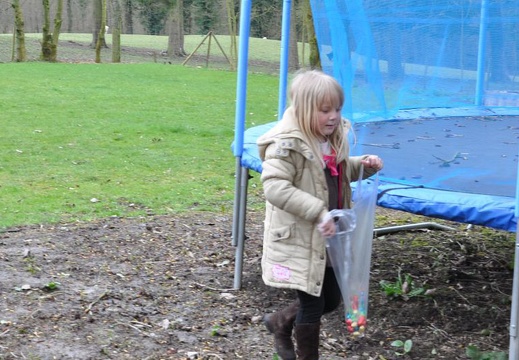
(350, 253)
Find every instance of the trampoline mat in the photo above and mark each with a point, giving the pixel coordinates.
(466, 154)
(456, 168)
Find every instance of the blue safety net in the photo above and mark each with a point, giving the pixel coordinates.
(399, 54)
(432, 86)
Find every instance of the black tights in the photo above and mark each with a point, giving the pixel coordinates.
(311, 308)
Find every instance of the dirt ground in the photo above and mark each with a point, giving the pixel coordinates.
(161, 287)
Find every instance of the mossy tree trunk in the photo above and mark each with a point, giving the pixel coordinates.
(293, 52)
(70, 16)
(21, 52)
(315, 61)
(116, 32)
(128, 16)
(58, 21)
(176, 30)
(49, 44)
(101, 32)
(99, 26)
(233, 32)
(497, 35)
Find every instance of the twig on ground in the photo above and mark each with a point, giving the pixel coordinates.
(437, 330)
(216, 356)
(133, 327)
(89, 307)
(51, 295)
(461, 296)
(140, 323)
(212, 288)
(33, 312)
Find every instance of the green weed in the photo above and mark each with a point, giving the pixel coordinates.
(51, 286)
(215, 330)
(404, 347)
(403, 287)
(474, 353)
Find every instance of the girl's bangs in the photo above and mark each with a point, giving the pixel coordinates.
(333, 98)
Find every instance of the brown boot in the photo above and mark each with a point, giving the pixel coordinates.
(281, 324)
(307, 340)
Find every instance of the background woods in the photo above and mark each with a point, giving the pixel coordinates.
(173, 18)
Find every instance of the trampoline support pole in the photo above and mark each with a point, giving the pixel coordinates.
(482, 46)
(514, 340)
(422, 225)
(240, 228)
(237, 202)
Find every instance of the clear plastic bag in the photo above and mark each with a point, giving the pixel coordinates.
(350, 253)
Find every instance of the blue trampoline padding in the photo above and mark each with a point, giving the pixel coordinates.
(493, 211)
(496, 212)
(250, 158)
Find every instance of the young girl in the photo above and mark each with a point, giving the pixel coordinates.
(306, 173)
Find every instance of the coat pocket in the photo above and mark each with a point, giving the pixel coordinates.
(281, 243)
(281, 233)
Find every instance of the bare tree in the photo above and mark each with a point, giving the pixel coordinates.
(176, 30)
(232, 23)
(99, 23)
(128, 16)
(293, 53)
(21, 52)
(101, 32)
(315, 61)
(116, 31)
(70, 16)
(498, 49)
(49, 45)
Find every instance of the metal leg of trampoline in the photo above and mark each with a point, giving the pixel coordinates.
(423, 225)
(237, 202)
(514, 340)
(240, 228)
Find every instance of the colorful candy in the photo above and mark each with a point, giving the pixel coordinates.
(356, 312)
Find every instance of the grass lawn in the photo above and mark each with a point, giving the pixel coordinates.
(83, 141)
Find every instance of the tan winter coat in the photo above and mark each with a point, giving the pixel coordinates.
(294, 252)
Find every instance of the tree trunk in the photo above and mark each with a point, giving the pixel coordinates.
(116, 32)
(101, 32)
(497, 64)
(70, 16)
(21, 52)
(46, 44)
(293, 53)
(99, 26)
(314, 60)
(128, 16)
(176, 31)
(231, 18)
(58, 21)
(394, 61)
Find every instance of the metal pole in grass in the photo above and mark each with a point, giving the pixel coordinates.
(239, 129)
(513, 351)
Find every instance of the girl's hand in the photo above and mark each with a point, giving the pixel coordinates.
(327, 227)
(374, 162)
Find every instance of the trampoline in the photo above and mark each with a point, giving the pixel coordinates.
(441, 167)
(432, 88)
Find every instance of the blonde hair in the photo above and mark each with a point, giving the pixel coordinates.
(309, 91)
